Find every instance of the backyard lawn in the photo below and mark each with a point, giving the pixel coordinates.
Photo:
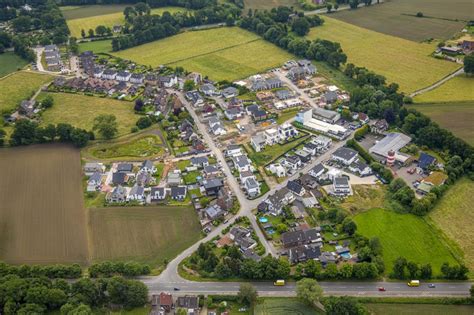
(222, 53)
(9, 62)
(270, 153)
(455, 216)
(458, 89)
(80, 111)
(19, 86)
(404, 235)
(401, 61)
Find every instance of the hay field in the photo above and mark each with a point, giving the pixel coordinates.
(19, 86)
(92, 16)
(457, 89)
(455, 216)
(404, 235)
(221, 53)
(149, 234)
(400, 61)
(457, 117)
(41, 207)
(80, 111)
(396, 17)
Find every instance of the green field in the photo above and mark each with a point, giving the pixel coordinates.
(97, 46)
(19, 86)
(148, 234)
(396, 17)
(457, 117)
(80, 111)
(420, 309)
(455, 216)
(221, 53)
(268, 4)
(270, 153)
(401, 61)
(89, 17)
(404, 235)
(9, 62)
(283, 306)
(457, 89)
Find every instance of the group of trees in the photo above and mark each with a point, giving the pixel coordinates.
(108, 269)
(27, 132)
(404, 269)
(100, 31)
(49, 271)
(231, 263)
(469, 64)
(142, 27)
(275, 25)
(106, 125)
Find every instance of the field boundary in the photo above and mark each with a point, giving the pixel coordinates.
(438, 83)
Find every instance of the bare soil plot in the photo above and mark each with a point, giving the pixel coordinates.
(41, 208)
(397, 18)
(149, 234)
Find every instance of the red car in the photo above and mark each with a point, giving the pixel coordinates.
(381, 289)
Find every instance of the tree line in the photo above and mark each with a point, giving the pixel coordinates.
(405, 269)
(109, 269)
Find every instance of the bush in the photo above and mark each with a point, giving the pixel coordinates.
(144, 122)
(419, 14)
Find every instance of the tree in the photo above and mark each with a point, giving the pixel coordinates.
(300, 26)
(83, 33)
(129, 293)
(309, 291)
(23, 133)
(343, 305)
(47, 102)
(399, 268)
(336, 6)
(412, 270)
(101, 30)
(469, 64)
(426, 271)
(144, 122)
(247, 294)
(329, 7)
(2, 136)
(353, 4)
(349, 226)
(106, 125)
(471, 290)
(138, 105)
(189, 85)
(91, 33)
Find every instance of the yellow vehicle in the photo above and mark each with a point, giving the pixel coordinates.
(279, 283)
(414, 283)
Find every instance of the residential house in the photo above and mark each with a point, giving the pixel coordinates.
(233, 113)
(283, 94)
(304, 156)
(27, 108)
(137, 193)
(212, 186)
(360, 168)
(322, 141)
(317, 171)
(119, 178)
(123, 76)
(325, 115)
(125, 167)
(218, 129)
(243, 176)
(327, 258)
(330, 97)
(278, 170)
(117, 195)
(210, 170)
(147, 167)
(252, 187)
(237, 232)
(363, 118)
(251, 109)
(109, 74)
(258, 142)
(214, 212)
(151, 79)
(165, 302)
(245, 243)
(301, 237)
(345, 156)
(233, 150)
(93, 167)
(167, 81)
(94, 182)
(242, 163)
(296, 188)
(200, 161)
(286, 131)
(178, 193)
(425, 161)
(293, 162)
(158, 194)
(230, 92)
(273, 83)
(341, 186)
(173, 179)
(271, 136)
(259, 115)
(195, 98)
(144, 179)
(308, 182)
(97, 72)
(310, 148)
(379, 126)
(189, 303)
(137, 78)
(304, 253)
(209, 89)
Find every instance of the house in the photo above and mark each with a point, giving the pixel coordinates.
(424, 188)
(189, 303)
(322, 142)
(258, 142)
(243, 176)
(252, 108)
(310, 148)
(123, 76)
(345, 156)
(233, 150)
(304, 156)
(233, 113)
(273, 83)
(50, 48)
(363, 118)
(178, 193)
(271, 136)
(341, 186)
(259, 115)
(109, 74)
(325, 115)
(330, 97)
(230, 92)
(274, 204)
(212, 186)
(165, 301)
(200, 161)
(94, 182)
(436, 178)
(144, 179)
(137, 78)
(119, 178)
(27, 108)
(158, 194)
(242, 163)
(117, 195)
(292, 162)
(425, 161)
(286, 131)
(245, 243)
(167, 81)
(97, 72)
(304, 253)
(137, 193)
(360, 168)
(295, 188)
(283, 94)
(214, 212)
(300, 237)
(151, 79)
(93, 167)
(328, 258)
(237, 232)
(173, 179)
(379, 126)
(278, 170)
(195, 98)
(308, 182)
(210, 170)
(252, 187)
(125, 167)
(317, 171)
(209, 89)
(250, 254)
(147, 167)
(218, 129)
(195, 77)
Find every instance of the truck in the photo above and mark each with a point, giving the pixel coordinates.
(414, 283)
(279, 283)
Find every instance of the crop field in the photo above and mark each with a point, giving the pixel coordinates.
(41, 209)
(148, 234)
(97, 46)
(404, 235)
(457, 89)
(401, 61)
(19, 86)
(89, 17)
(283, 306)
(455, 216)
(397, 18)
(221, 53)
(9, 62)
(457, 117)
(80, 111)
(420, 309)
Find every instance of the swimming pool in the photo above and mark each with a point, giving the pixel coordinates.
(346, 255)
(263, 220)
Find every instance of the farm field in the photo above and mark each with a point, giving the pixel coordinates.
(454, 215)
(397, 18)
(420, 309)
(80, 111)
(222, 53)
(404, 235)
(457, 117)
(97, 46)
(92, 16)
(19, 86)
(401, 61)
(268, 4)
(458, 89)
(283, 306)
(41, 207)
(148, 234)
(9, 62)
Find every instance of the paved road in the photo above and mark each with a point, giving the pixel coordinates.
(295, 89)
(438, 83)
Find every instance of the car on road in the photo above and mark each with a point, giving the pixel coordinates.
(176, 289)
(431, 286)
(382, 289)
(279, 283)
(414, 283)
